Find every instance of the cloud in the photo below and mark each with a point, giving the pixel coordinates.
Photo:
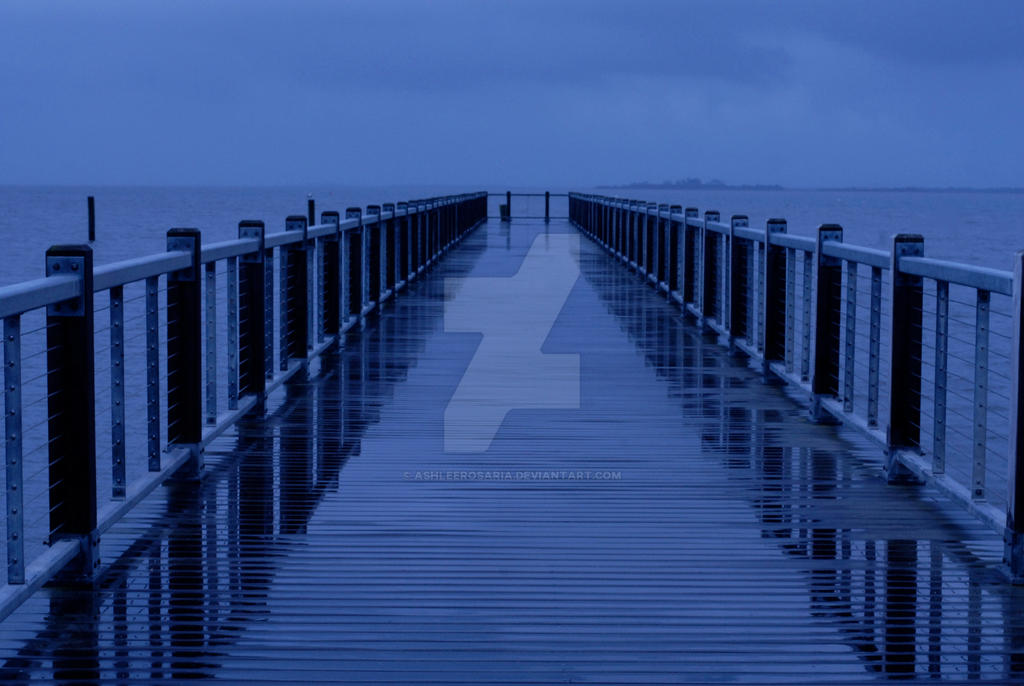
(613, 91)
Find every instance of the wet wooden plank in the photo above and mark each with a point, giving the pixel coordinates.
(685, 523)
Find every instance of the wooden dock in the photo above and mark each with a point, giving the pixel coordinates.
(686, 523)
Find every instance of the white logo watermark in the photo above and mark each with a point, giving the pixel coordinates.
(509, 371)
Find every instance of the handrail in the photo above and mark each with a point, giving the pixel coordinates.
(237, 247)
(983, 278)
(794, 304)
(856, 253)
(30, 295)
(330, 277)
(749, 234)
(717, 227)
(139, 268)
(273, 240)
(788, 240)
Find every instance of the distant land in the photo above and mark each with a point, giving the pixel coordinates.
(695, 184)
(717, 185)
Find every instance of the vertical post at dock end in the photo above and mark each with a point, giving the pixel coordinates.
(905, 346)
(688, 260)
(330, 285)
(294, 287)
(252, 358)
(1013, 537)
(91, 201)
(737, 281)
(184, 352)
(828, 281)
(774, 301)
(711, 286)
(71, 395)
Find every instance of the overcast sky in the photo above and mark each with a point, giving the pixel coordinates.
(545, 93)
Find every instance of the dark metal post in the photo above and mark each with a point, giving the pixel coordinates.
(547, 206)
(372, 251)
(905, 341)
(389, 249)
(650, 228)
(252, 362)
(185, 350)
(1013, 537)
(71, 392)
(414, 238)
(295, 291)
(508, 203)
(355, 264)
(631, 223)
(825, 382)
(711, 283)
(738, 276)
(330, 289)
(672, 265)
(92, 218)
(404, 242)
(690, 256)
(774, 296)
(310, 210)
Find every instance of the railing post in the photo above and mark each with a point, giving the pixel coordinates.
(252, 291)
(661, 247)
(330, 289)
(650, 231)
(13, 453)
(774, 298)
(387, 250)
(404, 244)
(117, 394)
(184, 351)
(372, 252)
(435, 225)
(1013, 537)
(905, 347)
(624, 227)
(354, 264)
(153, 372)
(737, 281)
(710, 282)
(672, 265)
(547, 206)
(829, 277)
(210, 273)
(688, 261)
(71, 392)
(639, 217)
(422, 233)
(508, 203)
(294, 286)
(414, 238)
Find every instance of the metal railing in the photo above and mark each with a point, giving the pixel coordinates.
(206, 316)
(878, 339)
(506, 212)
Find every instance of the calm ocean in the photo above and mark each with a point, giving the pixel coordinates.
(980, 228)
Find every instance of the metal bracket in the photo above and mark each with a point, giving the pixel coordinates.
(252, 231)
(182, 244)
(66, 266)
(827, 233)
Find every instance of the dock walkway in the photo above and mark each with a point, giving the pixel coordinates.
(684, 523)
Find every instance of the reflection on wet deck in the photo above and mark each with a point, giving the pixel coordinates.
(726, 540)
